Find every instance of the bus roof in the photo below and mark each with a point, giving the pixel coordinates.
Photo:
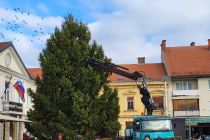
(153, 117)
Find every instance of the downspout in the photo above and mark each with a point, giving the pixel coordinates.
(165, 99)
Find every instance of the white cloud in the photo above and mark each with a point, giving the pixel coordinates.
(126, 29)
(136, 28)
(28, 32)
(29, 20)
(26, 49)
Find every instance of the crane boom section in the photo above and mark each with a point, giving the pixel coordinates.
(110, 67)
(136, 76)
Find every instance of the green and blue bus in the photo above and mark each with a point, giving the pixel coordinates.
(156, 127)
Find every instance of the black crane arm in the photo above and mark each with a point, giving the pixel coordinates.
(110, 67)
(136, 76)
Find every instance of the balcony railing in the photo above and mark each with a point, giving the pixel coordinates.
(185, 92)
(187, 113)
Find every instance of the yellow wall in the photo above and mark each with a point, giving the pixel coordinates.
(129, 89)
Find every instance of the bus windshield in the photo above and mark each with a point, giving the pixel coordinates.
(156, 125)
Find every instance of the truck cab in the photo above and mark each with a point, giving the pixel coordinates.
(156, 127)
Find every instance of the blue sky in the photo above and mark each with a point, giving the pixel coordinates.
(126, 29)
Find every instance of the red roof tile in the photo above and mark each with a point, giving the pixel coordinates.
(151, 71)
(34, 72)
(187, 60)
(4, 45)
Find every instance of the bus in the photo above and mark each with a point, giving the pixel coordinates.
(154, 127)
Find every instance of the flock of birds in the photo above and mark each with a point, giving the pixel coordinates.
(19, 25)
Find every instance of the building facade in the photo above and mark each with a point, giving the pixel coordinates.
(188, 69)
(129, 94)
(180, 85)
(14, 101)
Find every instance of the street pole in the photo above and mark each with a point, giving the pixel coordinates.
(189, 130)
(189, 123)
(165, 98)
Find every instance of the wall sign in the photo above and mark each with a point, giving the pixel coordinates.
(12, 106)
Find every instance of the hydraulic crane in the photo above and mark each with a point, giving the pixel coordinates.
(136, 76)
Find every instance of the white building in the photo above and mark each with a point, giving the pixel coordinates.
(188, 68)
(13, 109)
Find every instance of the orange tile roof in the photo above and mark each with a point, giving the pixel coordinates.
(152, 71)
(4, 45)
(187, 60)
(34, 72)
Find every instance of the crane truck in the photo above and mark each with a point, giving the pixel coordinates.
(150, 126)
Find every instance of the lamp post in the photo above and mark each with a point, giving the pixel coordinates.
(189, 130)
(189, 123)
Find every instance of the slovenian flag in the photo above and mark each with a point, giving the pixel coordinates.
(20, 89)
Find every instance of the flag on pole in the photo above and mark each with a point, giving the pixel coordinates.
(20, 89)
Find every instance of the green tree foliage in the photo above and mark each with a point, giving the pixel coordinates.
(68, 99)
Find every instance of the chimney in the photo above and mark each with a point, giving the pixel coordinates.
(141, 60)
(192, 44)
(163, 45)
(209, 44)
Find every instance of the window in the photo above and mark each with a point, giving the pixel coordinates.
(159, 100)
(184, 86)
(6, 92)
(129, 124)
(130, 103)
(156, 125)
(209, 84)
(189, 86)
(186, 104)
(209, 105)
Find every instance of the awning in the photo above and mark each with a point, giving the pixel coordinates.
(197, 120)
(5, 118)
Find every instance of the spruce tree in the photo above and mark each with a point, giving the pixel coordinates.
(67, 99)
